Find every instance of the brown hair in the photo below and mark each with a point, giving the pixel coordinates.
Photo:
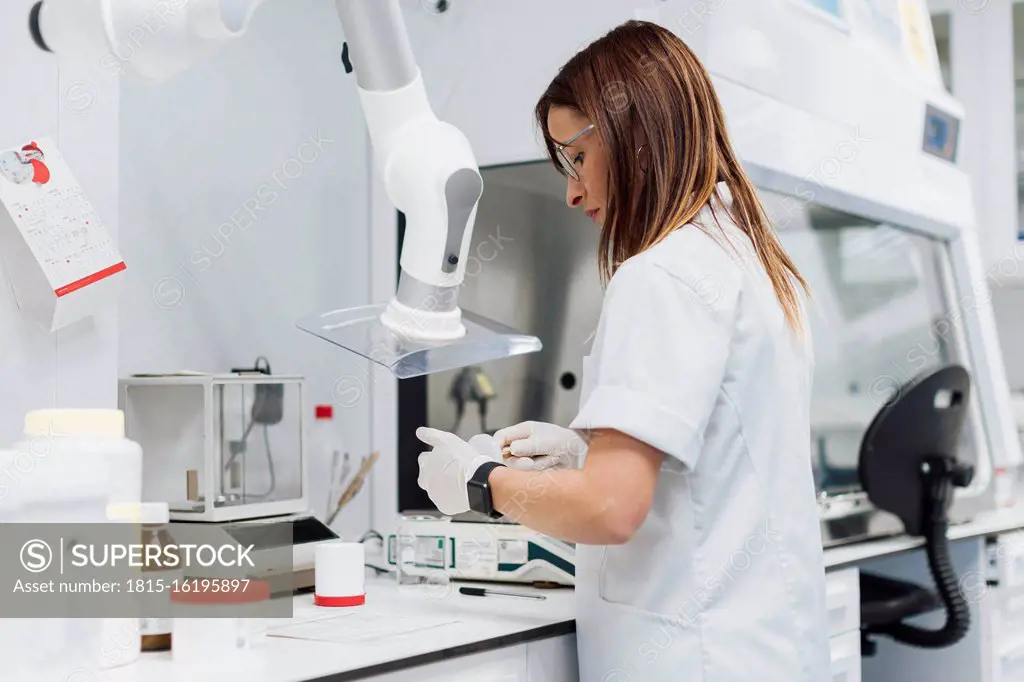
(643, 87)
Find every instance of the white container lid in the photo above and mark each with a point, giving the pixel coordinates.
(95, 423)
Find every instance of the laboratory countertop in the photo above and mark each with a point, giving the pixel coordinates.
(988, 523)
(397, 628)
(405, 627)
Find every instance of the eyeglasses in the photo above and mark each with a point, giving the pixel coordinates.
(567, 163)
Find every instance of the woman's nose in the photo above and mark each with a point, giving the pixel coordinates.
(573, 193)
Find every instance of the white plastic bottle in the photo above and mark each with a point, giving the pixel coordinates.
(69, 466)
(60, 445)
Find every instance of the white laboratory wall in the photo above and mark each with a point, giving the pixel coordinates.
(981, 48)
(1008, 284)
(1008, 303)
(510, 51)
(244, 199)
(77, 366)
(981, 52)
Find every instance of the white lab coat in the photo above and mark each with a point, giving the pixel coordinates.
(724, 581)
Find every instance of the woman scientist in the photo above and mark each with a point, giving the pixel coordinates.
(685, 479)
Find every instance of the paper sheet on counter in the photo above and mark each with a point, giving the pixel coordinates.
(361, 627)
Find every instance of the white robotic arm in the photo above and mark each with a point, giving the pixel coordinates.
(429, 170)
(428, 166)
(149, 39)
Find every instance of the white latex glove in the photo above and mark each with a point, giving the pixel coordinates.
(486, 445)
(446, 469)
(538, 445)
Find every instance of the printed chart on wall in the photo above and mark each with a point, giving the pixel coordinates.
(55, 218)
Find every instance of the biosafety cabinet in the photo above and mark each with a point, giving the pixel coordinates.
(841, 120)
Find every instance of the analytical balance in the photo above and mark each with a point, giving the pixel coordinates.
(230, 451)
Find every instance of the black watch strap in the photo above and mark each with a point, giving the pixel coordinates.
(480, 499)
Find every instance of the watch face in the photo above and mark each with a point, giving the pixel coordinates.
(478, 498)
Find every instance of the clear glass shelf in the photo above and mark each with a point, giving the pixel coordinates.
(359, 330)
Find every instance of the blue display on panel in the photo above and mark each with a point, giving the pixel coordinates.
(941, 134)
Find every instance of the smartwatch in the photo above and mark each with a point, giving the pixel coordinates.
(480, 491)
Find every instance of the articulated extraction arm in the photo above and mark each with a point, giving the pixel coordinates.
(428, 166)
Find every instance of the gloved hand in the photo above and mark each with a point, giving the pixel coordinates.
(538, 445)
(486, 445)
(446, 469)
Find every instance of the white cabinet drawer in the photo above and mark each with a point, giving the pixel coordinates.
(1010, 555)
(842, 596)
(846, 657)
(500, 665)
(1009, 665)
(1008, 615)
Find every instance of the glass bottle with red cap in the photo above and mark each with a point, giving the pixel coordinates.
(329, 451)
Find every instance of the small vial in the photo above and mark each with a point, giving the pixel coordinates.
(421, 549)
(156, 632)
(405, 555)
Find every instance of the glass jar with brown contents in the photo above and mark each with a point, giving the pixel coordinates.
(156, 632)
